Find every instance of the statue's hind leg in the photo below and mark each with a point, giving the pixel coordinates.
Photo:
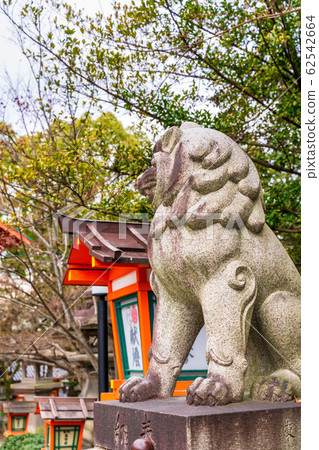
(176, 325)
(279, 323)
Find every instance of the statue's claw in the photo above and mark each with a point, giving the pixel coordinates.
(208, 392)
(137, 389)
(272, 389)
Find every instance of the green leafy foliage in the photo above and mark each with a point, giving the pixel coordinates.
(23, 442)
(228, 65)
(90, 163)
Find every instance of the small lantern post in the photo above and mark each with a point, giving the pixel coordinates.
(18, 415)
(64, 419)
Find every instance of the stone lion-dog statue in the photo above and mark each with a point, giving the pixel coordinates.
(216, 262)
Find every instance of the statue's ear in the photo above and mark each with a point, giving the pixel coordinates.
(187, 125)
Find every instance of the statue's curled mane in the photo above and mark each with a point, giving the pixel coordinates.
(223, 185)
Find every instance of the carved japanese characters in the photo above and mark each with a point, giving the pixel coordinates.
(216, 262)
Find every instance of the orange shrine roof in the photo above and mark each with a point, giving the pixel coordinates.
(101, 245)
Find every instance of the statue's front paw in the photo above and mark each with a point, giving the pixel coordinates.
(138, 389)
(272, 389)
(209, 392)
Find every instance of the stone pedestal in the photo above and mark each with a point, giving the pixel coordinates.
(173, 425)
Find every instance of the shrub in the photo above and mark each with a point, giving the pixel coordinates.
(23, 442)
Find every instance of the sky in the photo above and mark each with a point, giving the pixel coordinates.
(14, 66)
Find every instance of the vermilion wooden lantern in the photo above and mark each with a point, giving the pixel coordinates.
(18, 415)
(64, 419)
(114, 254)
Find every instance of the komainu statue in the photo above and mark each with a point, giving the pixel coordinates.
(216, 262)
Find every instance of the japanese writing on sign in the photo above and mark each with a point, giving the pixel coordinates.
(132, 336)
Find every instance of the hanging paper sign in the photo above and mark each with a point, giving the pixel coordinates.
(132, 335)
